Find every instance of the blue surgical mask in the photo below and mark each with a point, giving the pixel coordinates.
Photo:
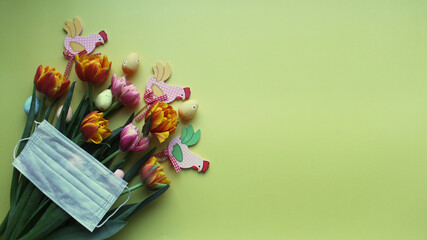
(69, 176)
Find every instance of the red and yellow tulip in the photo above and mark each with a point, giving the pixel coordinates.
(152, 174)
(93, 68)
(94, 127)
(163, 122)
(50, 82)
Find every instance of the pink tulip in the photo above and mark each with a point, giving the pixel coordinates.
(131, 141)
(125, 91)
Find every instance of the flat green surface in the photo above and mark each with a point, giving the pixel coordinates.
(313, 113)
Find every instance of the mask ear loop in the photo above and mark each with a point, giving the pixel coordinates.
(16, 146)
(117, 209)
(23, 139)
(37, 123)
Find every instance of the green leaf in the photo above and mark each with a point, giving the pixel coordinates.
(147, 126)
(39, 114)
(16, 213)
(49, 109)
(111, 145)
(135, 169)
(51, 219)
(83, 113)
(127, 211)
(60, 124)
(130, 119)
(26, 133)
(194, 139)
(76, 231)
(35, 216)
(76, 114)
(27, 212)
(122, 162)
(177, 152)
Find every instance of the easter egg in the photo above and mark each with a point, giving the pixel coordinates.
(27, 105)
(104, 100)
(130, 64)
(69, 114)
(188, 109)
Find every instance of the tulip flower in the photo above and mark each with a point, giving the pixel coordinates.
(152, 174)
(131, 141)
(92, 68)
(125, 91)
(163, 122)
(95, 128)
(50, 82)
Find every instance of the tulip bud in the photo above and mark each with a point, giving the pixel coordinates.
(131, 140)
(92, 68)
(94, 127)
(125, 91)
(50, 82)
(152, 174)
(163, 122)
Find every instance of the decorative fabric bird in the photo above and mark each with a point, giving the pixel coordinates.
(158, 91)
(179, 154)
(159, 87)
(76, 44)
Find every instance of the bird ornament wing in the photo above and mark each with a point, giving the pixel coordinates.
(189, 137)
(77, 47)
(74, 28)
(161, 72)
(157, 91)
(177, 152)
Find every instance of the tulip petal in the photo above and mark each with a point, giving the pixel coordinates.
(79, 70)
(161, 136)
(91, 71)
(39, 72)
(47, 84)
(89, 130)
(101, 76)
(65, 85)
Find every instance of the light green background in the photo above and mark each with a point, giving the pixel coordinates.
(313, 113)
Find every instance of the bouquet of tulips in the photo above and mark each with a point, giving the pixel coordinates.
(32, 215)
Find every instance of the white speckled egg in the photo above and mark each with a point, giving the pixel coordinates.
(188, 109)
(104, 100)
(130, 64)
(69, 114)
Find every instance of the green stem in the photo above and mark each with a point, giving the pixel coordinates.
(136, 186)
(39, 114)
(90, 97)
(48, 110)
(79, 140)
(110, 157)
(112, 107)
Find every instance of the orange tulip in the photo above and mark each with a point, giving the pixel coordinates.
(163, 122)
(152, 174)
(50, 82)
(93, 68)
(94, 127)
